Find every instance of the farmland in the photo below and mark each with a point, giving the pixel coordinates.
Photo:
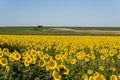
(59, 53)
(34, 30)
(30, 57)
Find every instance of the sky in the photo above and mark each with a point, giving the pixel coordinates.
(60, 12)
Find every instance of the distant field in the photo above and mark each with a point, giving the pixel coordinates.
(60, 30)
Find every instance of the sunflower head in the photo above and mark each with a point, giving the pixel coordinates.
(42, 63)
(63, 69)
(1, 54)
(3, 61)
(26, 63)
(89, 71)
(100, 77)
(56, 75)
(7, 68)
(52, 64)
(91, 78)
(17, 56)
(113, 77)
(37, 78)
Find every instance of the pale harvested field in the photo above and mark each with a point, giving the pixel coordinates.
(94, 31)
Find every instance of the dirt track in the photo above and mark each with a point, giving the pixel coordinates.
(88, 31)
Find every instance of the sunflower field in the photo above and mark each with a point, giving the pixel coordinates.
(32, 57)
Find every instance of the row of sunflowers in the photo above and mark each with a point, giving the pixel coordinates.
(32, 57)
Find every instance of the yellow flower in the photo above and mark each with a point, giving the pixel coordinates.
(89, 71)
(86, 59)
(37, 78)
(26, 63)
(34, 57)
(8, 68)
(46, 56)
(56, 75)
(80, 56)
(42, 63)
(100, 77)
(11, 58)
(85, 76)
(5, 50)
(113, 69)
(57, 57)
(101, 68)
(33, 52)
(3, 61)
(52, 64)
(96, 74)
(111, 53)
(112, 60)
(28, 59)
(64, 69)
(102, 57)
(73, 61)
(118, 56)
(91, 78)
(33, 61)
(93, 56)
(1, 54)
(41, 55)
(119, 76)
(17, 56)
(113, 77)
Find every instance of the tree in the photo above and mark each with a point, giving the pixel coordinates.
(39, 26)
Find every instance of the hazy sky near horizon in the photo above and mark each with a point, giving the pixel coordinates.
(60, 12)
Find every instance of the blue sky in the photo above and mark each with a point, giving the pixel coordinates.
(60, 12)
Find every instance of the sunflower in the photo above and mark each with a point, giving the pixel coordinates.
(96, 74)
(28, 59)
(102, 57)
(93, 56)
(73, 61)
(63, 69)
(85, 76)
(3, 61)
(46, 56)
(42, 63)
(41, 55)
(89, 71)
(119, 76)
(101, 68)
(17, 56)
(86, 59)
(7, 68)
(111, 53)
(113, 77)
(56, 75)
(52, 64)
(34, 57)
(112, 68)
(118, 56)
(11, 58)
(26, 63)
(33, 61)
(57, 57)
(100, 77)
(91, 78)
(5, 50)
(37, 78)
(1, 54)
(33, 52)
